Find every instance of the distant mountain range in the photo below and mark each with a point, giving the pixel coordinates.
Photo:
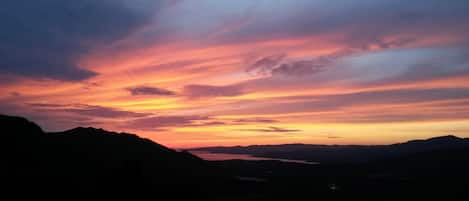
(432, 169)
(343, 153)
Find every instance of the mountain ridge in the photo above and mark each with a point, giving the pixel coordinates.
(343, 153)
(436, 138)
(96, 162)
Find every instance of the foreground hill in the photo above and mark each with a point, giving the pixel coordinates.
(94, 162)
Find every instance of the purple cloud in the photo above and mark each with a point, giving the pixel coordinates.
(163, 122)
(46, 39)
(47, 105)
(104, 112)
(87, 110)
(301, 68)
(254, 120)
(271, 129)
(145, 90)
(197, 91)
(15, 94)
(265, 65)
(276, 64)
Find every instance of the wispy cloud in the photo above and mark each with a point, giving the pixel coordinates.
(163, 122)
(254, 120)
(198, 91)
(88, 110)
(265, 64)
(271, 129)
(146, 90)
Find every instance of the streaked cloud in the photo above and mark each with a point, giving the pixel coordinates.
(271, 129)
(265, 65)
(254, 120)
(197, 91)
(162, 122)
(146, 90)
(103, 112)
(88, 110)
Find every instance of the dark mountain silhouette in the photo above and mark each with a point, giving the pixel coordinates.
(94, 162)
(344, 153)
(90, 163)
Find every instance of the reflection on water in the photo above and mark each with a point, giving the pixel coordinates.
(221, 157)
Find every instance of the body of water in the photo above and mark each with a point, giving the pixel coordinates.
(209, 156)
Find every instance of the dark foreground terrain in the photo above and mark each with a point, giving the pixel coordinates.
(88, 163)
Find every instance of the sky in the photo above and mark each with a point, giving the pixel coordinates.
(191, 73)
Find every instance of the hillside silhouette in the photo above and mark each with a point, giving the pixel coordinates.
(90, 163)
(94, 162)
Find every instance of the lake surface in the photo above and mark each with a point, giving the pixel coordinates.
(209, 156)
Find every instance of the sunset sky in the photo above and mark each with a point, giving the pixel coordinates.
(189, 73)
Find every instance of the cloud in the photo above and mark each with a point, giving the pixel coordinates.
(300, 68)
(265, 65)
(47, 105)
(271, 129)
(145, 90)
(438, 64)
(46, 39)
(357, 23)
(163, 122)
(377, 98)
(104, 112)
(210, 123)
(197, 91)
(15, 94)
(276, 64)
(333, 137)
(386, 44)
(254, 120)
(88, 110)
(395, 105)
